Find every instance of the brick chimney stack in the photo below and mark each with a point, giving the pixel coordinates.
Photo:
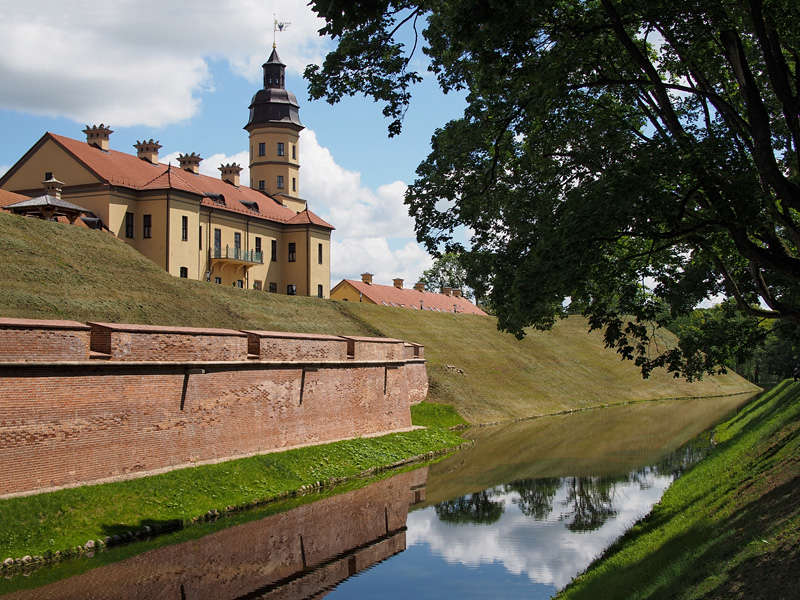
(97, 135)
(190, 162)
(419, 286)
(366, 278)
(447, 291)
(53, 187)
(148, 150)
(456, 293)
(230, 173)
(398, 283)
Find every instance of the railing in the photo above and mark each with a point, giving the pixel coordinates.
(235, 253)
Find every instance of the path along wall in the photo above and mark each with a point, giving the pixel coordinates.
(84, 403)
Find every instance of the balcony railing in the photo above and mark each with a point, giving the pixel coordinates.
(237, 254)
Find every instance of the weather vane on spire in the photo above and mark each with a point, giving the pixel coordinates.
(278, 26)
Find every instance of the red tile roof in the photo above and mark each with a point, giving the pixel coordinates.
(127, 170)
(410, 298)
(7, 198)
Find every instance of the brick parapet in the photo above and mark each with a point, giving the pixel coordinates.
(29, 340)
(72, 422)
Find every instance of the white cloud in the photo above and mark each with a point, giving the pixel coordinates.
(366, 220)
(4, 169)
(139, 62)
(546, 551)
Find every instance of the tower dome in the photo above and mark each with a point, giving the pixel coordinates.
(274, 103)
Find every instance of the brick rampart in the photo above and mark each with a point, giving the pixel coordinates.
(296, 554)
(276, 345)
(42, 341)
(374, 348)
(67, 423)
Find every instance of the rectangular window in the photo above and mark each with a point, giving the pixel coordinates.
(280, 182)
(217, 279)
(184, 272)
(273, 287)
(294, 152)
(237, 244)
(184, 228)
(239, 284)
(319, 290)
(274, 248)
(217, 243)
(147, 226)
(262, 149)
(281, 151)
(319, 253)
(261, 185)
(258, 245)
(48, 175)
(200, 237)
(292, 252)
(129, 225)
(291, 289)
(256, 285)
(294, 184)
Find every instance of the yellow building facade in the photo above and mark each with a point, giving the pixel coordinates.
(261, 237)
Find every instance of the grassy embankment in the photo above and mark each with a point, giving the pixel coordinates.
(60, 520)
(55, 271)
(728, 528)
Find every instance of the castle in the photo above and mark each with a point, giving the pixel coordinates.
(262, 237)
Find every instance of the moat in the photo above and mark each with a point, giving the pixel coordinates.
(517, 515)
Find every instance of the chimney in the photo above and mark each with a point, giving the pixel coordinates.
(446, 291)
(190, 162)
(147, 150)
(52, 187)
(457, 293)
(230, 173)
(366, 278)
(398, 283)
(419, 286)
(97, 135)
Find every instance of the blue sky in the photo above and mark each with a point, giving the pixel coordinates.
(184, 74)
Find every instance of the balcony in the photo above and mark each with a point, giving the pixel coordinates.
(237, 256)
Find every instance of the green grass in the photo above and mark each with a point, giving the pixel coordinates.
(430, 414)
(66, 518)
(55, 271)
(730, 527)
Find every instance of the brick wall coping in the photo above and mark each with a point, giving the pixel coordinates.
(8, 323)
(294, 364)
(414, 344)
(137, 328)
(377, 340)
(294, 336)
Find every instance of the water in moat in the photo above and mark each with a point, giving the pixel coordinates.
(516, 515)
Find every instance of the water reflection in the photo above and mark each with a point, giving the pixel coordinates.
(300, 553)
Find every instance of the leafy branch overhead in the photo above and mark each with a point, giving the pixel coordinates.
(633, 157)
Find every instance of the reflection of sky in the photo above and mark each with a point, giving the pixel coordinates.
(514, 557)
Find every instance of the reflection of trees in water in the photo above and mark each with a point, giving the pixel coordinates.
(476, 508)
(589, 502)
(535, 496)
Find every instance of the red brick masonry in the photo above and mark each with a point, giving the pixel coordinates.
(69, 421)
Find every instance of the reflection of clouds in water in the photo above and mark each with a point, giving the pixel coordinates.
(544, 550)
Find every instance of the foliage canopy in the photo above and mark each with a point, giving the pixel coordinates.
(634, 156)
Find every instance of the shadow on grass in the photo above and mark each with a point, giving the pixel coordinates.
(123, 532)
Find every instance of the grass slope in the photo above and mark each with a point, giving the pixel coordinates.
(56, 271)
(728, 528)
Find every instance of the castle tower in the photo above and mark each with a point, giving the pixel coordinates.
(274, 128)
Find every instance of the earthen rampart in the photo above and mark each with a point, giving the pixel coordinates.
(152, 399)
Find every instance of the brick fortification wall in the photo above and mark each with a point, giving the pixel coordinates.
(71, 420)
(292, 555)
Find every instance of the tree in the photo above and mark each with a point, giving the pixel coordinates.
(635, 156)
(447, 271)
(477, 508)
